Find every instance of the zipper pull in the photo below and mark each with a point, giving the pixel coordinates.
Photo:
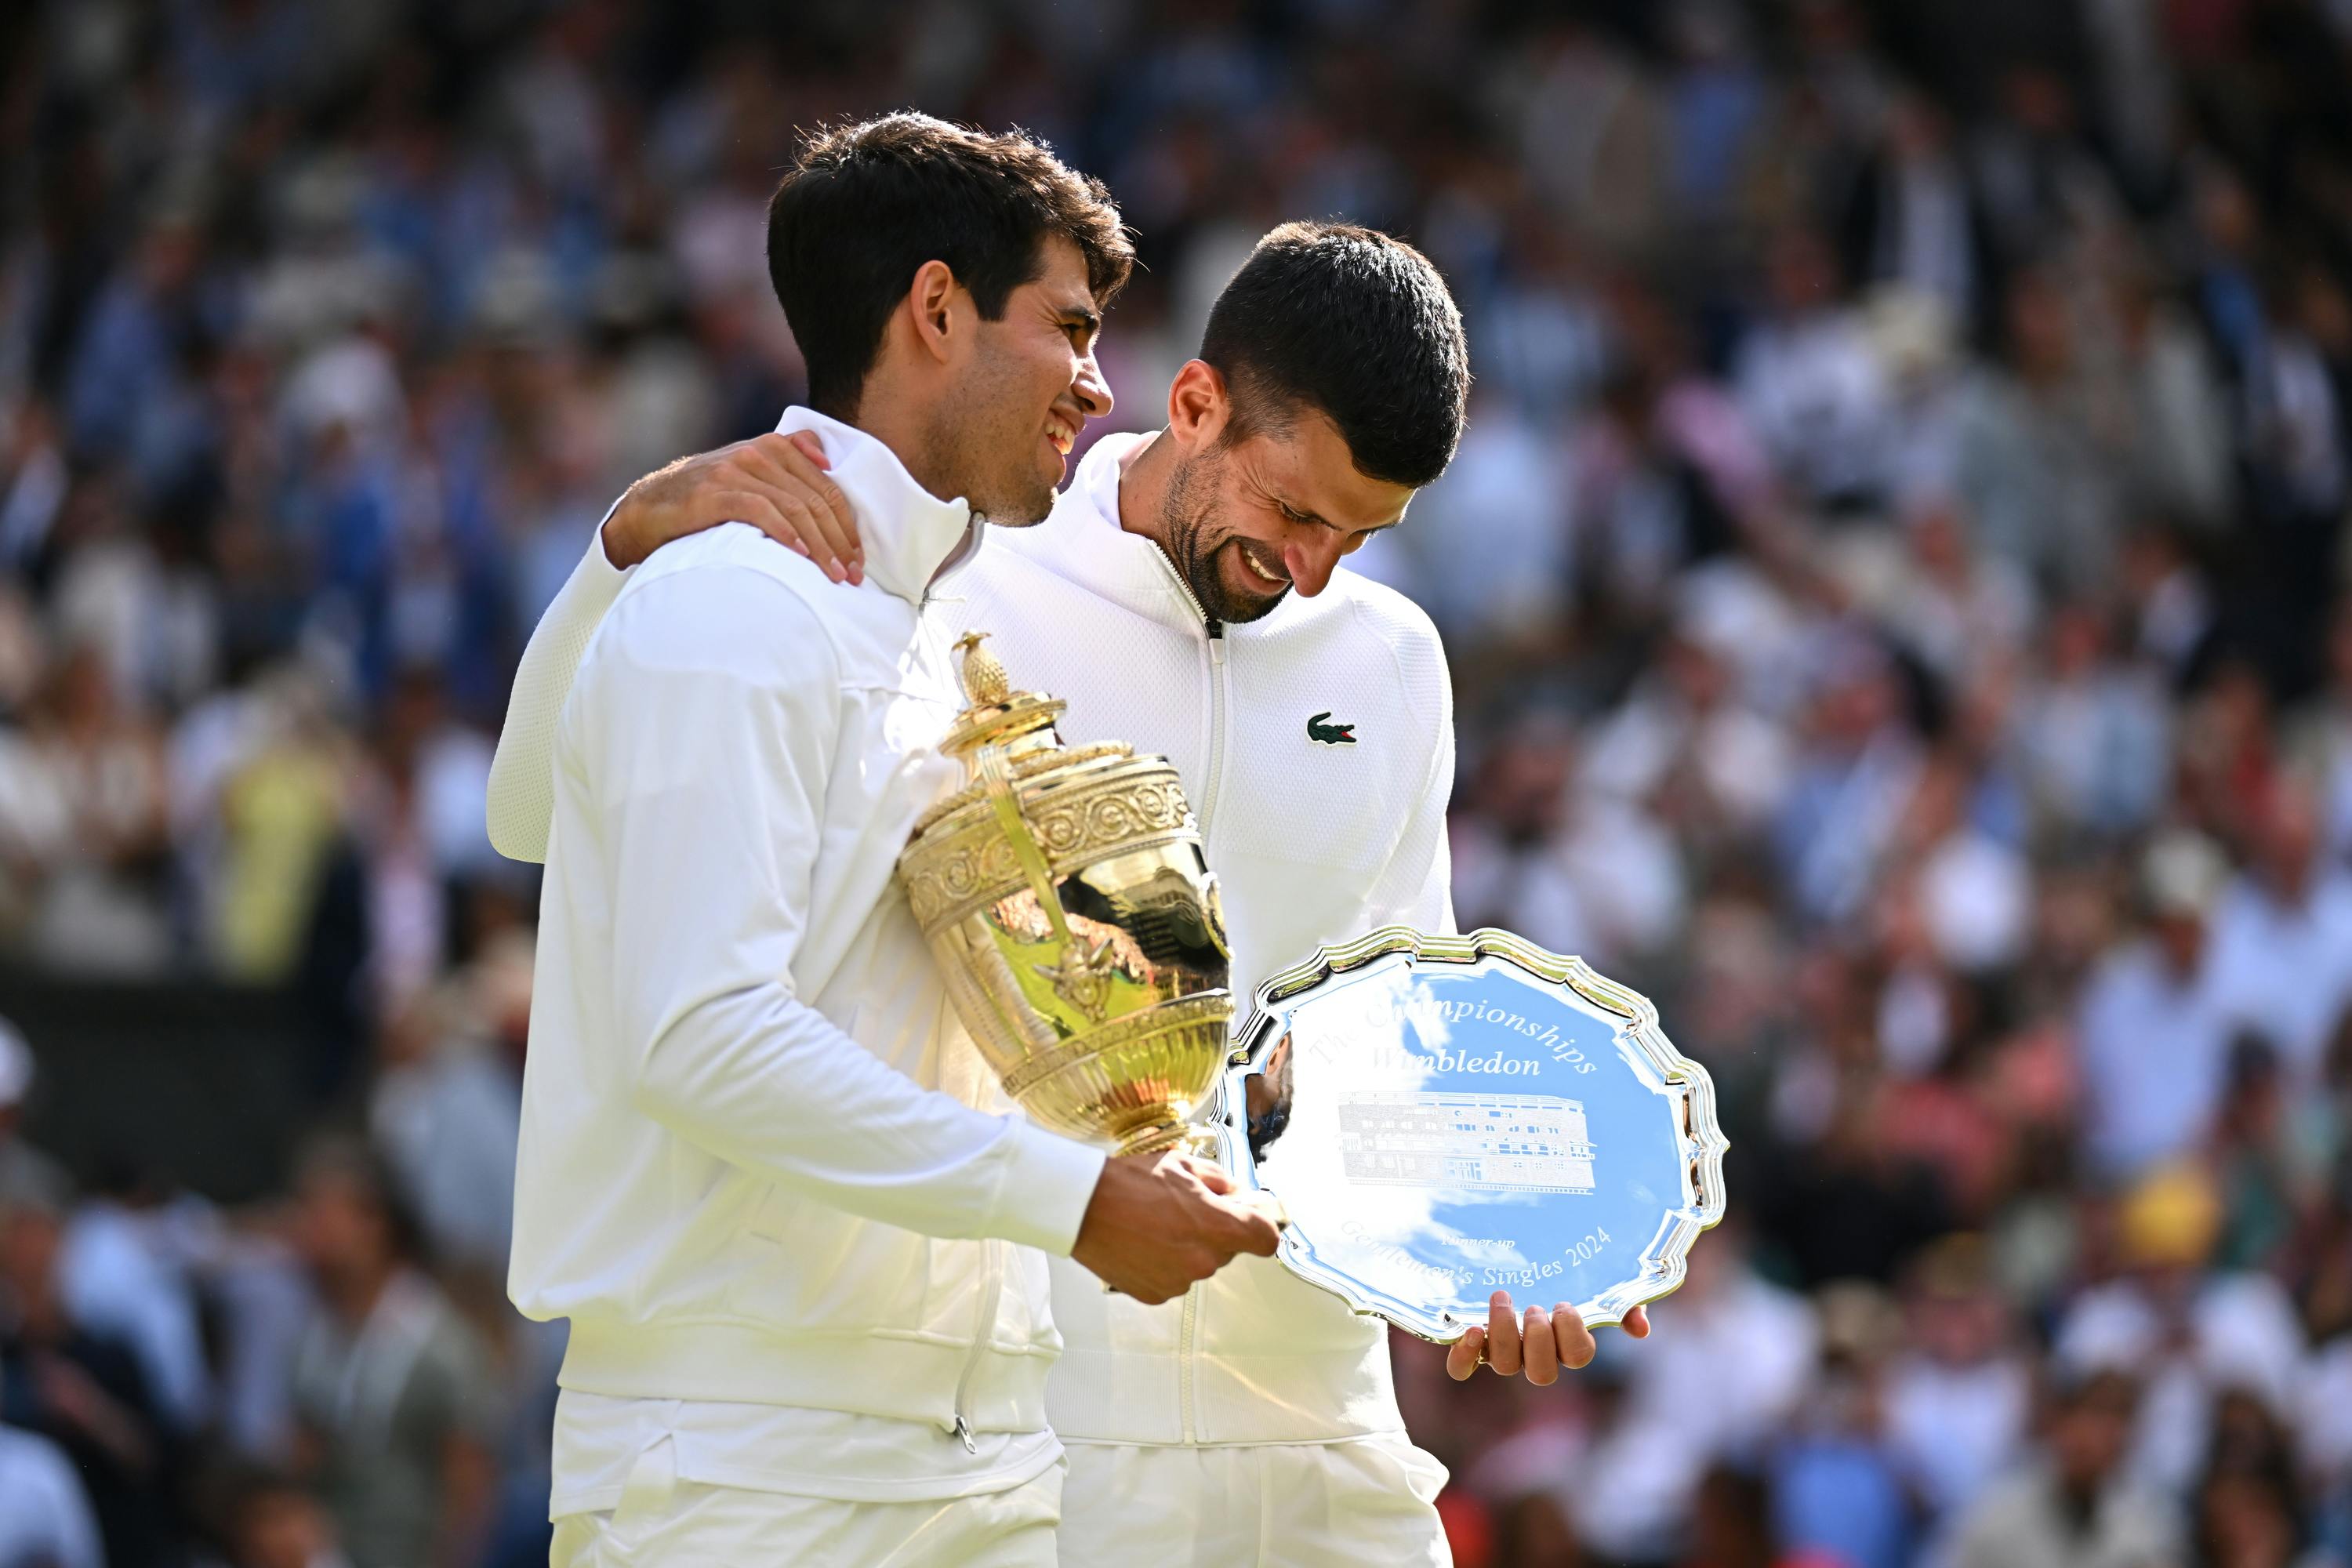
(1217, 642)
(963, 1430)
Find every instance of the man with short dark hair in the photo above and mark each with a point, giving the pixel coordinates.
(1256, 1421)
(913, 189)
(778, 1196)
(1327, 331)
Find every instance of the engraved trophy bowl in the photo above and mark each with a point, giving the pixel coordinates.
(1064, 895)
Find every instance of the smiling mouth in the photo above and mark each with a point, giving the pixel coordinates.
(1250, 564)
(1061, 433)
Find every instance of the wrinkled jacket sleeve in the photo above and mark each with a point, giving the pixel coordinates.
(521, 794)
(702, 733)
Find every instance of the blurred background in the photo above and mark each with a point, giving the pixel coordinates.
(1895, 578)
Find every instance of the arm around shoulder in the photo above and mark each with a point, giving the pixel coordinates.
(522, 793)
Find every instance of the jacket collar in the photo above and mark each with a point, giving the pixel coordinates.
(909, 534)
(1082, 542)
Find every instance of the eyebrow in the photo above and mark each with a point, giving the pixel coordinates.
(1084, 316)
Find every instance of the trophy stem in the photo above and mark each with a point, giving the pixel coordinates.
(1151, 1138)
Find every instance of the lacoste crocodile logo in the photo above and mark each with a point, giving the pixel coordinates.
(1330, 734)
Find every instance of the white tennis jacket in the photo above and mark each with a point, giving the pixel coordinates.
(1315, 840)
(758, 1161)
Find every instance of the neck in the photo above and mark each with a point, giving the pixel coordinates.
(355, 1292)
(1144, 476)
(2079, 1496)
(903, 422)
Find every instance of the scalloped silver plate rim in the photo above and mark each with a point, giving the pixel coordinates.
(1665, 1260)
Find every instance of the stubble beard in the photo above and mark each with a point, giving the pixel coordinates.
(1014, 505)
(985, 441)
(1193, 546)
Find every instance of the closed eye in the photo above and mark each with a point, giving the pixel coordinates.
(1355, 537)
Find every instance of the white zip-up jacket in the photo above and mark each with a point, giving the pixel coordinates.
(1313, 842)
(759, 1161)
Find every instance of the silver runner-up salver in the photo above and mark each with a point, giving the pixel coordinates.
(1444, 1117)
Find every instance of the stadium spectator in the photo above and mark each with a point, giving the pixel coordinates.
(269, 1522)
(392, 1387)
(82, 1388)
(2154, 1035)
(2076, 1506)
(45, 1519)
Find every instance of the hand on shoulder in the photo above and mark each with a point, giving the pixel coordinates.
(776, 483)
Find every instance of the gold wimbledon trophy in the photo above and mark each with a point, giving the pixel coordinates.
(1064, 892)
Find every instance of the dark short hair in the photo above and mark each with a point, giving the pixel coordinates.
(348, 1160)
(1354, 323)
(865, 205)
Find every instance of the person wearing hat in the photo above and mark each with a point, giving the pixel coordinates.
(2153, 1033)
(2188, 1330)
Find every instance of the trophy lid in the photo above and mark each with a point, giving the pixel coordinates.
(994, 714)
(1016, 725)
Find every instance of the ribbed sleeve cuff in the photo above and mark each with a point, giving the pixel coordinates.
(1048, 1182)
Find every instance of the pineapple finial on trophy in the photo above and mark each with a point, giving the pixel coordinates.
(986, 682)
(995, 714)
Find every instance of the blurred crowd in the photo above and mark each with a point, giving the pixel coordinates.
(1895, 581)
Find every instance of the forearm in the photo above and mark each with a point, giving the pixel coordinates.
(522, 795)
(765, 1082)
(712, 780)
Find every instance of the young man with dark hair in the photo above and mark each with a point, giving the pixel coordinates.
(913, 189)
(1255, 1422)
(776, 1192)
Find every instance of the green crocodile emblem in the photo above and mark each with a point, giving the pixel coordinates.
(1330, 734)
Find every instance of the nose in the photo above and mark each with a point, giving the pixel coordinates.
(1092, 390)
(1311, 565)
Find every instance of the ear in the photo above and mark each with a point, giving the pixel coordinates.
(1199, 406)
(930, 305)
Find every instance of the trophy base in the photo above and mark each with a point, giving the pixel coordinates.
(1133, 1081)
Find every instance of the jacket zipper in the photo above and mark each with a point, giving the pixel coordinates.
(1184, 1359)
(1206, 811)
(1214, 632)
(991, 1294)
(1218, 703)
(1220, 679)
